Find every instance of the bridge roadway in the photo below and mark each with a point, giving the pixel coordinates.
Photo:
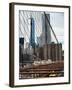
(44, 69)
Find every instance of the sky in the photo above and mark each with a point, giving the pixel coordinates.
(57, 22)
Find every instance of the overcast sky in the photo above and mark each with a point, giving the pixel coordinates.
(57, 22)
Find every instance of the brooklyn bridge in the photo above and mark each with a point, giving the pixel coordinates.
(39, 56)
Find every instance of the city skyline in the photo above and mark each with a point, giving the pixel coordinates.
(56, 20)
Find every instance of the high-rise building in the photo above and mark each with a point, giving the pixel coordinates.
(32, 33)
(21, 49)
(52, 51)
(46, 33)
